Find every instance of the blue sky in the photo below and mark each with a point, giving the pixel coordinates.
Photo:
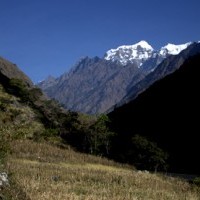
(46, 37)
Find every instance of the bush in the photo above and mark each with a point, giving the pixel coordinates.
(148, 155)
(18, 88)
(46, 134)
(35, 94)
(196, 181)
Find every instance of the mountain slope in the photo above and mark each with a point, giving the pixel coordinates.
(167, 112)
(9, 70)
(94, 85)
(24, 105)
(17, 119)
(168, 66)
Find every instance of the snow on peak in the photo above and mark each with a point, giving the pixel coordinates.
(128, 53)
(172, 49)
(141, 52)
(143, 44)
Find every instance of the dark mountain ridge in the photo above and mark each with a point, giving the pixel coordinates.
(167, 113)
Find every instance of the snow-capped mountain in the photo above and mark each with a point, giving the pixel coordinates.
(125, 54)
(172, 49)
(140, 52)
(94, 85)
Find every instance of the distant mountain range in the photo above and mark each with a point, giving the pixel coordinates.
(97, 85)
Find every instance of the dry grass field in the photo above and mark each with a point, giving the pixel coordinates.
(43, 171)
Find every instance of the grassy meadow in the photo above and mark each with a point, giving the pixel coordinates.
(54, 171)
(43, 171)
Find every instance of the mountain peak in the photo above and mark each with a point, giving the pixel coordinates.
(142, 51)
(172, 49)
(125, 54)
(143, 44)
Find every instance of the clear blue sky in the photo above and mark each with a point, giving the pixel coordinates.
(46, 37)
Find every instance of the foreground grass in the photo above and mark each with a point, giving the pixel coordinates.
(44, 172)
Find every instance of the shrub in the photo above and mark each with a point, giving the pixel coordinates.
(19, 88)
(148, 155)
(196, 181)
(46, 134)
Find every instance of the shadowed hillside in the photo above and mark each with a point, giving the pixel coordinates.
(167, 113)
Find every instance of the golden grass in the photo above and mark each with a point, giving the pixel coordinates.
(44, 172)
